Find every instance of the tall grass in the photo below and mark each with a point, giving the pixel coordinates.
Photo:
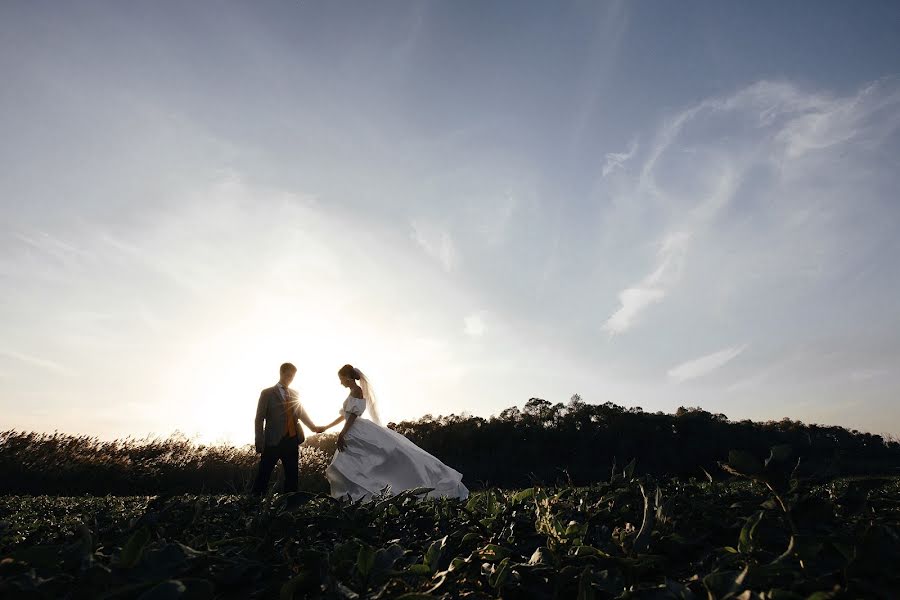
(60, 464)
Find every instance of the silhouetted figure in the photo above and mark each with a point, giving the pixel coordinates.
(371, 458)
(278, 432)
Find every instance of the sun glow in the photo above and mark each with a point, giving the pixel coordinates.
(218, 378)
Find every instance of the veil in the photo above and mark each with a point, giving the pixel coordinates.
(369, 395)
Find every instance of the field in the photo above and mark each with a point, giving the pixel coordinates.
(761, 534)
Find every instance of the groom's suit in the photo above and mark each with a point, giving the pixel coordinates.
(278, 436)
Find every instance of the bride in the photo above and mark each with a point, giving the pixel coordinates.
(372, 458)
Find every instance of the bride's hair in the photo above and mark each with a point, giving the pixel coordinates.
(350, 372)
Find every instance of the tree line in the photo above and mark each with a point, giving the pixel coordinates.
(542, 443)
(580, 443)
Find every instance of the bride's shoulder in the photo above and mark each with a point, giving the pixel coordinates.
(355, 405)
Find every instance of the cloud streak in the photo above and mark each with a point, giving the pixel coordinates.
(498, 219)
(36, 361)
(616, 160)
(653, 288)
(704, 365)
(772, 138)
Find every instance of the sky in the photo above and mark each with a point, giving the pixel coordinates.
(656, 204)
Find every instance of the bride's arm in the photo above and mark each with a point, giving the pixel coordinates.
(341, 442)
(332, 424)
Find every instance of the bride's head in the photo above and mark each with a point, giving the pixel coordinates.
(348, 376)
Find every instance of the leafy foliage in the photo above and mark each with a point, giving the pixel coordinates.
(783, 527)
(768, 534)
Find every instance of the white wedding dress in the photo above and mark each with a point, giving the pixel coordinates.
(377, 458)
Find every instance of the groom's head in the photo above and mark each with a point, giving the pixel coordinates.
(287, 374)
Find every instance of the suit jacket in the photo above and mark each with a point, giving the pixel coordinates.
(270, 418)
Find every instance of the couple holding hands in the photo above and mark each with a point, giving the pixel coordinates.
(370, 458)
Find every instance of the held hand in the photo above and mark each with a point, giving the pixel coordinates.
(319, 429)
(341, 443)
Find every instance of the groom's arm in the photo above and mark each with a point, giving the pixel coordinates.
(258, 423)
(301, 414)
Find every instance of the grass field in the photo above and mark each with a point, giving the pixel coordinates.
(628, 538)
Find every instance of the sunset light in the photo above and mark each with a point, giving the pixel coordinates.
(441, 299)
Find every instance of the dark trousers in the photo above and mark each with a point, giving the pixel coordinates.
(288, 452)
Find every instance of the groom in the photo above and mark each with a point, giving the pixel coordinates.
(278, 432)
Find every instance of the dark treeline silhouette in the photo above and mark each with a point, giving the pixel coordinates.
(543, 442)
(579, 442)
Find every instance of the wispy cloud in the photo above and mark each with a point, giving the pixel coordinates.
(616, 160)
(36, 361)
(766, 213)
(437, 243)
(776, 144)
(654, 287)
(633, 301)
(704, 365)
(49, 244)
(833, 121)
(609, 25)
(775, 371)
(867, 374)
(148, 260)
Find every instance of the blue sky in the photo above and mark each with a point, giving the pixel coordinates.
(654, 204)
